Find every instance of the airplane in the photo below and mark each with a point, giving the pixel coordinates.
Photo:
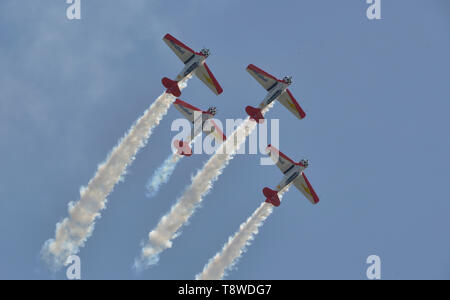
(194, 62)
(277, 89)
(195, 115)
(293, 174)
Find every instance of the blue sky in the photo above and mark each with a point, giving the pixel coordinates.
(376, 95)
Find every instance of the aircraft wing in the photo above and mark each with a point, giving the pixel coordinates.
(204, 74)
(181, 50)
(283, 162)
(265, 79)
(215, 131)
(186, 109)
(303, 185)
(291, 104)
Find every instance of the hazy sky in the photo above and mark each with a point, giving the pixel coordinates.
(376, 94)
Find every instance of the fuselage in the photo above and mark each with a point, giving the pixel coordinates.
(290, 175)
(274, 92)
(191, 65)
(200, 119)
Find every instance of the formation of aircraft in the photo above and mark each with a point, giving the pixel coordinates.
(202, 121)
(194, 63)
(293, 174)
(277, 89)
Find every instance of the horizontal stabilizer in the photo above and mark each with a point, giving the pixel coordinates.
(255, 114)
(271, 197)
(172, 86)
(183, 148)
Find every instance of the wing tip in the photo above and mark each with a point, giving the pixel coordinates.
(218, 88)
(313, 192)
(300, 111)
(178, 101)
(279, 153)
(254, 68)
(302, 114)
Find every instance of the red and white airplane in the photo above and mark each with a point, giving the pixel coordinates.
(293, 174)
(194, 62)
(202, 122)
(277, 89)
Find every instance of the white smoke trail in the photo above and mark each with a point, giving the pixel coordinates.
(236, 246)
(162, 174)
(168, 227)
(72, 232)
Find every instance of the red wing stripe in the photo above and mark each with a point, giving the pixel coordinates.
(187, 105)
(224, 138)
(272, 148)
(216, 84)
(299, 109)
(175, 41)
(316, 198)
(258, 70)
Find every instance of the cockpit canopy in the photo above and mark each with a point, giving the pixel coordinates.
(212, 110)
(304, 162)
(287, 79)
(205, 52)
